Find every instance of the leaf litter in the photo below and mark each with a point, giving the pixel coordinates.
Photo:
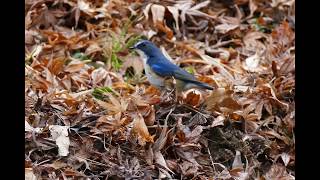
(91, 113)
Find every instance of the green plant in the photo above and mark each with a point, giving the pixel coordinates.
(100, 91)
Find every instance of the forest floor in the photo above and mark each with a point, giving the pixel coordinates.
(91, 112)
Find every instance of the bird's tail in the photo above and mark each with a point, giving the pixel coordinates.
(203, 85)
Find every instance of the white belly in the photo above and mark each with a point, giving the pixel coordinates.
(152, 77)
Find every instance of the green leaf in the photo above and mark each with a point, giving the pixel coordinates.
(116, 46)
(190, 69)
(99, 92)
(132, 40)
(80, 56)
(115, 61)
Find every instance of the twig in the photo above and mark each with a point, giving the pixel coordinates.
(220, 44)
(193, 109)
(214, 169)
(93, 161)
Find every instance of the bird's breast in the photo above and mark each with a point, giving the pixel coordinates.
(153, 78)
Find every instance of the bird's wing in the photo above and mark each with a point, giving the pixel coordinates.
(170, 69)
(166, 69)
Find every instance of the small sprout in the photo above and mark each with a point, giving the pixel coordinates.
(190, 69)
(115, 61)
(99, 92)
(80, 56)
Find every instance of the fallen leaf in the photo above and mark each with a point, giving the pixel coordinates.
(278, 172)
(221, 100)
(163, 28)
(252, 63)
(157, 13)
(115, 106)
(29, 175)
(193, 98)
(218, 121)
(215, 62)
(29, 128)
(150, 117)
(56, 65)
(93, 48)
(194, 135)
(237, 163)
(188, 168)
(285, 158)
(253, 7)
(175, 13)
(140, 129)
(98, 75)
(225, 28)
(74, 66)
(60, 135)
(159, 159)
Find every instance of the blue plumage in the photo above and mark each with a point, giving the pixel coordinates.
(157, 66)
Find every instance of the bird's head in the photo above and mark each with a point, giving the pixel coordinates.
(147, 48)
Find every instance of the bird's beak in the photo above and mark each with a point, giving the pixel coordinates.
(132, 47)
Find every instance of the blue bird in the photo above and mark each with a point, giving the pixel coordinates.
(158, 68)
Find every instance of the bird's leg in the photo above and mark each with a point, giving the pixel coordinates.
(168, 88)
(166, 93)
(177, 97)
(179, 86)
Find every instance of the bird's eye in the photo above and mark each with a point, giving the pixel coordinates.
(143, 45)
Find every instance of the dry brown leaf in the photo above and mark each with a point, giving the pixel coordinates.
(193, 98)
(157, 13)
(74, 66)
(283, 34)
(225, 28)
(98, 75)
(29, 128)
(187, 8)
(93, 48)
(218, 121)
(221, 100)
(140, 130)
(250, 126)
(149, 156)
(237, 163)
(150, 117)
(215, 62)
(288, 66)
(188, 168)
(285, 158)
(163, 28)
(253, 44)
(258, 109)
(194, 135)
(112, 123)
(115, 106)
(29, 175)
(251, 64)
(274, 134)
(278, 172)
(175, 13)
(159, 159)
(135, 62)
(216, 97)
(285, 105)
(253, 7)
(56, 65)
